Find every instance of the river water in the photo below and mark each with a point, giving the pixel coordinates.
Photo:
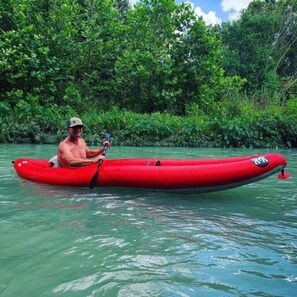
(61, 241)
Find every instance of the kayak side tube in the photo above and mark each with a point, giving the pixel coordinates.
(181, 175)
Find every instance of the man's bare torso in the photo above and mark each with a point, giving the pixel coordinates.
(68, 149)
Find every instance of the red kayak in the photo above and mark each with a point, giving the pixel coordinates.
(189, 175)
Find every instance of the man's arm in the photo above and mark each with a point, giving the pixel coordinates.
(93, 153)
(97, 152)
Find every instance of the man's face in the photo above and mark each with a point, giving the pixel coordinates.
(75, 131)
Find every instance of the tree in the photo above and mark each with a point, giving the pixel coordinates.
(248, 47)
(261, 46)
(285, 44)
(197, 58)
(122, 6)
(28, 69)
(143, 68)
(93, 54)
(170, 60)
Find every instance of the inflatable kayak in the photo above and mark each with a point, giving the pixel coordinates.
(191, 175)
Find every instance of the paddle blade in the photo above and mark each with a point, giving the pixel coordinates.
(94, 180)
(283, 175)
(95, 177)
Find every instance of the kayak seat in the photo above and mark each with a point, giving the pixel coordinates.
(53, 162)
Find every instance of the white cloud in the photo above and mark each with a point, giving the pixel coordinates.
(209, 18)
(233, 16)
(234, 4)
(132, 2)
(234, 7)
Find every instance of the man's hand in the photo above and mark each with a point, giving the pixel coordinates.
(106, 143)
(100, 157)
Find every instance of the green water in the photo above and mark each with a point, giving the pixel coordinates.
(59, 241)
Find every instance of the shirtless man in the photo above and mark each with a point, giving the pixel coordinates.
(73, 151)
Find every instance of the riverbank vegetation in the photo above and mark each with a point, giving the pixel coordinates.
(152, 74)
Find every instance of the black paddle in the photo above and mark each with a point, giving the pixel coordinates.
(109, 137)
(95, 177)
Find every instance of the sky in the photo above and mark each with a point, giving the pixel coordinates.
(216, 11)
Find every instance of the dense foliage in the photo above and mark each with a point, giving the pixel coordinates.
(262, 48)
(154, 74)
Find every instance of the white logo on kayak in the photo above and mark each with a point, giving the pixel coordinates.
(260, 161)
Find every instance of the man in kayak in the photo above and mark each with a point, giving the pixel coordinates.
(73, 151)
